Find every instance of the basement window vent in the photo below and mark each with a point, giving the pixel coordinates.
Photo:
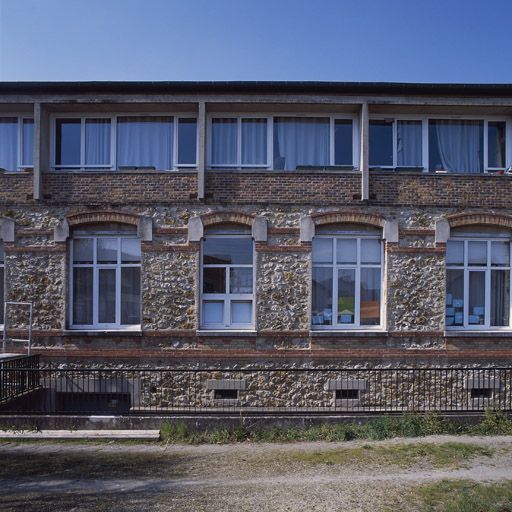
(347, 394)
(225, 394)
(481, 393)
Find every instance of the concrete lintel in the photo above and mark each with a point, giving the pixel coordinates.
(239, 384)
(195, 229)
(145, 229)
(442, 231)
(390, 231)
(347, 384)
(7, 229)
(61, 231)
(259, 229)
(307, 229)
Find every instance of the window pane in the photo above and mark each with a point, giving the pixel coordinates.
(240, 280)
(241, 312)
(130, 250)
(8, 143)
(343, 142)
(107, 250)
(496, 144)
(301, 141)
(2, 254)
(477, 253)
(500, 254)
(213, 312)
(67, 142)
(187, 140)
(82, 296)
(97, 142)
(476, 313)
(227, 251)
(370, 251)
(145, 142)
(107, 296)
(370, 296)
(346, 250)
(409, 142)
(454, 297)
(28, 142)
(214, 280)
(381, 143)
(455, 253)
(322, 296)
(254, 141)
(224, 141)
(1, 295)
(322, 250)
(500, 297)
(455, 146)
(130, 296)
(83, 250)
(346, 296)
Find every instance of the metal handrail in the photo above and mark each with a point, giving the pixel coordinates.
(17, 340)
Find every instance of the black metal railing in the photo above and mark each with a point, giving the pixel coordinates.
(262, 390)
(18, 376)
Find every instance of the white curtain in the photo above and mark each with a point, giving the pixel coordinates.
(408, 143)
(254, 141)
(460, 145)
(224, 141)
(301, 141)
(97, 142)
(145, 142)
(9, 143)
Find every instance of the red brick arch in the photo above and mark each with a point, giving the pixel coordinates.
(321, 219)
(100, 217)
(210, 219)
(480, 219)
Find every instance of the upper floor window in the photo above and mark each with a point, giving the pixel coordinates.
(1, 283)
(478, 281)
(16, 143)
(227, 293)
(284, 142)
(125, 142)
(347, 277)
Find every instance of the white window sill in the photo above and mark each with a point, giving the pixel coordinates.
(101, 332)
(327, 333)
(225, 332)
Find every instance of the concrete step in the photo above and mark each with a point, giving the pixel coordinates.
(146, 435)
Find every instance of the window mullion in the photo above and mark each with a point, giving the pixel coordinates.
(395, 143)
(466, 285)
(332, 156)
(357, 285)
(118, 283)
(227, 297)
(113, 143)
(95, 283)
(485, 159)
(239, 142)
(82, 142)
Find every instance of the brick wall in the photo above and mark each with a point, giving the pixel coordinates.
(16, 188)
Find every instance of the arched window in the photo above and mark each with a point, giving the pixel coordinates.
(347, 277)
(105, 277)
(478, 278)
(227, 278)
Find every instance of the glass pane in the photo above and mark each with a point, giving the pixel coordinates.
(500, 298)
(82, 296)
(346, 250)
(477, 253)
(370, 251)
(409, 142)
(301, 141)
(476, 312)
(83, 250)
(130, 250)
(241, 312)
(454, 297)
(370, 296)
(227, 251)
(97, 142)
(28, 142)
(2, 254)
(187, 140)
(322, 296)
(254, 141)
(343, 142)
(496, 144)
(1, 295)
(213, 312)
(322, 250)
(9, 143)
(455, 253)
(214, 280)
(67, 142)
(224, 141)
(240, 280)
(500, 254)
(346, 296)
(130, 296)
(145, 142)
(107, 250)
(455, 146)
(380, 139)
(107, 296)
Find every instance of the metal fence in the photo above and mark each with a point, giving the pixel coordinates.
(28, 389)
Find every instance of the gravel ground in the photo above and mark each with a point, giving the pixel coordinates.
(238, 477)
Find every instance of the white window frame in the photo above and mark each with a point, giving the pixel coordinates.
(228, 297)
(19, 157)
(96, 325)
(113, 139)
(425, 137)
(270, 138)
(357, 267)
(487, 268)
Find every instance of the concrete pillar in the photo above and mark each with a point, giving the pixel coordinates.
(363, 153)
(201, 142)
(307, 229)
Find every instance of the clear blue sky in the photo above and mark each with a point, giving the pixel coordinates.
(346, 40)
